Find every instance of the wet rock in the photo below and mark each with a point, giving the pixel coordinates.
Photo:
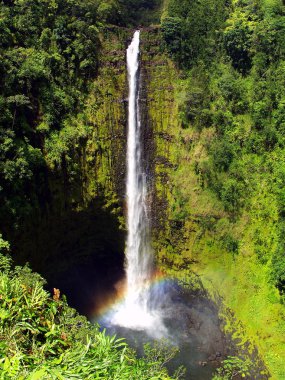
(212, 358)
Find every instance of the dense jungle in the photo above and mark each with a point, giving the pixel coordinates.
(213, 106)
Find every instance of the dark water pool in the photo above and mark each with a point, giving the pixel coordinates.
(192, 325)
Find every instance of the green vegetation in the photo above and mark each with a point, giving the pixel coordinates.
(226, 190)
(43, 338)
(215, 98)
(50, 53)
(232, 367)
(49, 50)
(190, 29)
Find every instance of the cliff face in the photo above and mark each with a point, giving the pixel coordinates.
(162, 122)
(80, 227)
(79, 230)
(106, 111)
(193, 233)
(101, 157)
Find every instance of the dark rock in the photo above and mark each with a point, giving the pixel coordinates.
(212, 358)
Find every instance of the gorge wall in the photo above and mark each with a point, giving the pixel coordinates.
(84, 198)
(193, 233)
(78, 233)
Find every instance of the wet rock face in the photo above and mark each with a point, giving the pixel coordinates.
(160, 120)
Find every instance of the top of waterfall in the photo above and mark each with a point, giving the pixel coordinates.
(133, 48)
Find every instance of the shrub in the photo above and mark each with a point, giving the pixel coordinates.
(231, 194)
(233, 367)
(43, 338)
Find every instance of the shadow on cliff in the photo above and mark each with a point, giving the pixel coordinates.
(81, 253)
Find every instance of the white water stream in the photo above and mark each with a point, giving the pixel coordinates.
(138, 250)
(135, 312)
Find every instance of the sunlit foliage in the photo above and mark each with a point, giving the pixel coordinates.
(42, 338)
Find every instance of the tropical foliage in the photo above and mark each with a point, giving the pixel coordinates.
(231, 150)
(49, 54)
(235, 91)
(43, 338)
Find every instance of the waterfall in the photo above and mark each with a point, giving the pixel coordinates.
(155, 307)
(138, 249)
(136, 312)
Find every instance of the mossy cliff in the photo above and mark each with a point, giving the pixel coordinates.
(161, 119)
(193, 232)
(84, 185)
(100, 155)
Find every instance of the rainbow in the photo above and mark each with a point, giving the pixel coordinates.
(104, 310)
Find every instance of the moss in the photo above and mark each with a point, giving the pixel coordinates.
(239, 278)
(160, 81)
(198, 240)
(192, 230)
